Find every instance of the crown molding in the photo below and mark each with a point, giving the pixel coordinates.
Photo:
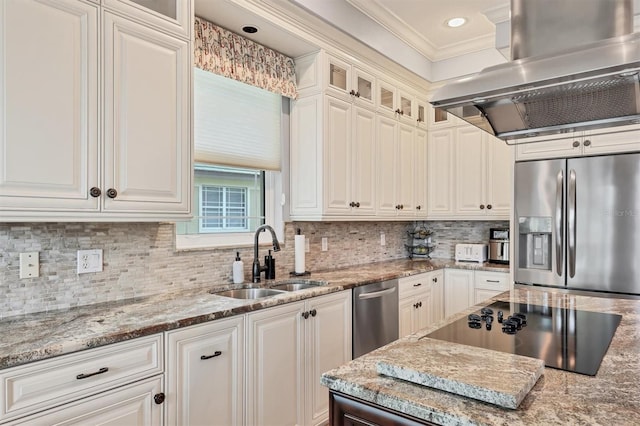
(396, 26)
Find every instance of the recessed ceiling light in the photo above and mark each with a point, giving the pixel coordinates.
(456, 22)
(250, 29)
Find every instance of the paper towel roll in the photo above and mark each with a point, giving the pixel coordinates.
(299, 248)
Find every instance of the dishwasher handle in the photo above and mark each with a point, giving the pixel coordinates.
(375, 294)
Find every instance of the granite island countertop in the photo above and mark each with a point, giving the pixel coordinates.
(559, 397)
(33, 337)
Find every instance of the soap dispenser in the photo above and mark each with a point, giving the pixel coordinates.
(270, 265)
(238, 270)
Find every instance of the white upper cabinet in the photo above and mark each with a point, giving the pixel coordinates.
(438, 118)
(173, 16)
(469, 174)
(88, 136)
(49, 108)
(146, 119)
(592, 142)
(349, 82)
(395, 101)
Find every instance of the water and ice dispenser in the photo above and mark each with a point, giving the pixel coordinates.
(535, 242)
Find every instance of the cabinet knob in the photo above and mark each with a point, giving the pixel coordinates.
(401, 206)
(576, 144)
(313, 312)
(489, 206)
(112, 193)
(435, 280)
(358, 204)
(481, 206)
(357, 94)
(352, 92)
(399, 112)
(95, 192)
(352, 204)
(587, 143)
(159, 398)
(418, 207)
(305, 314)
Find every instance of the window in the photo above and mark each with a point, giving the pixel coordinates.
(236, 181)
(223, 208)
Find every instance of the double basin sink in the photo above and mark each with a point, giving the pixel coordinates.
(260, 293)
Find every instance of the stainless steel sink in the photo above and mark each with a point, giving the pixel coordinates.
(249, 293)
(298, 285)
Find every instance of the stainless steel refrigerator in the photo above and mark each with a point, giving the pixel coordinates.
(577, 223)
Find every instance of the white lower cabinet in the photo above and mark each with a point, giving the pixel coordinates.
(458, 290)
(488, 284)
(131, 405)
(205, 365)
(420, 301)
(288, 348)
(80, 387)
(465, 288)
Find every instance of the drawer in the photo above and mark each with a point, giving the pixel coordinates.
(498, 281)
(47, 383)
(410, 286)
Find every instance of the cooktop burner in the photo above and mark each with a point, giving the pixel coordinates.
(567, 339)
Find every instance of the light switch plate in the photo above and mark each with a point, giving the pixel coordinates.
(89, 261)
(30, 265)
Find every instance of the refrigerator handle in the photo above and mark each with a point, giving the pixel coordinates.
(559, 223)
(571, 220)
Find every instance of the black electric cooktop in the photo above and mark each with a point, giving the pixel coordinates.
(567, 339)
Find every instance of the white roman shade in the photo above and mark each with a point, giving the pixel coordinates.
(235, 124)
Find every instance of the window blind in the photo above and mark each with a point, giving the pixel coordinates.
(235, 124)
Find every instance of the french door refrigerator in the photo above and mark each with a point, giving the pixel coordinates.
(577, 223)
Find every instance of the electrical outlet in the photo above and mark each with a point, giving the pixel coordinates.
(383, 240)
(325, 244)
(30, 265)
(89, 261)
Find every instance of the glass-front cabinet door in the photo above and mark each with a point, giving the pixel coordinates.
(440, 118)
(363, 86)
(421, 114)
(386, 98)
(405, 106)
(171, 15)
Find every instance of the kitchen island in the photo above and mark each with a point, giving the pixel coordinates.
(558, 397)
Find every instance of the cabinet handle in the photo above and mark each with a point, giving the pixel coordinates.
(352, 204)
(313, 312)
(587, 143)
(159, 398)
(489, 206)
(215, 354)
(492, 281)
(112, 193)
(95, 373)
(95, 192)
(399, 111)
(417, 285)
(435, 280)
(418, 207)
(576, 144)
(357, 94)
(401, 206)
(357, 203)
(305, 314)
(481, 206)
(352, 92)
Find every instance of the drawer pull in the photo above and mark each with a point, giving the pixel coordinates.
(417, 285)
(493, 281)
(215, 354)
(84, 376)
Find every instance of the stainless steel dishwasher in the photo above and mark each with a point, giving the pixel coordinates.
(375, 316)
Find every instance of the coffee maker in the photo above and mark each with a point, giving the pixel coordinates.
(499, 245)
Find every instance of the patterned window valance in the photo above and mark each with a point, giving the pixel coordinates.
(231, 55)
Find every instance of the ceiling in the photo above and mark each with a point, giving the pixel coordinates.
(417, 23)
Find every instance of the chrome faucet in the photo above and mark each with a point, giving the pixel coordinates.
(257, 269)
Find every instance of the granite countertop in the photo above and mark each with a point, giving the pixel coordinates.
(558, 397)
(38, 336)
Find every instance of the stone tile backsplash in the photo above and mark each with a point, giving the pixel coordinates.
(140, 259)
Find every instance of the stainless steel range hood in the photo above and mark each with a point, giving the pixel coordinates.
(576, 66)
